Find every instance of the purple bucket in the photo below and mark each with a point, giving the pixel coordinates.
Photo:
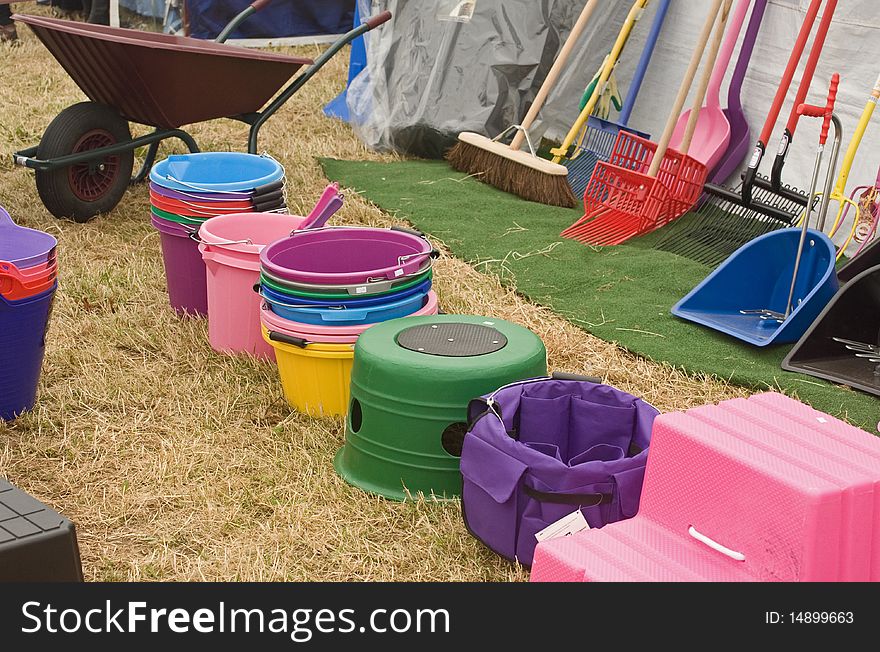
(200, 196)
(23, 326)
(558, 445)
(185, 272)
(23, 247)
(346, 255)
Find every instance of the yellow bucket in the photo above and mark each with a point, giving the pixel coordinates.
(315, 377)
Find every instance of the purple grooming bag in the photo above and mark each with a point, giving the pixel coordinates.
(537, 450)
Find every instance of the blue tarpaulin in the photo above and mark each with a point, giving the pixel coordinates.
(151, 8)
(282, 18)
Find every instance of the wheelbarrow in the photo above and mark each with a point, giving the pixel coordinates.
(84, 161)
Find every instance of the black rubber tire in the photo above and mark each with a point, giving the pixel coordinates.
(66, 134)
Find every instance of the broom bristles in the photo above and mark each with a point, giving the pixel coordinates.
(515, 174)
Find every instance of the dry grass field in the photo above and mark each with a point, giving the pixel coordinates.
(177, 463)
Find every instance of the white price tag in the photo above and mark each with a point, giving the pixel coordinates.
(566, 526)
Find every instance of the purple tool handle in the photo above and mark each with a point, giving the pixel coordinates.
(745, 55)
(739, 128)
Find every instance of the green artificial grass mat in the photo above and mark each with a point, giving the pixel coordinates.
(621, 294)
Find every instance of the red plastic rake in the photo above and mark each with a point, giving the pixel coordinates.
(644, 186)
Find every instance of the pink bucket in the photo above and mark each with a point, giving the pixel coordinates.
(318, 334)
(230, 246)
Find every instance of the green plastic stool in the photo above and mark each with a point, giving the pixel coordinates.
(411, 383)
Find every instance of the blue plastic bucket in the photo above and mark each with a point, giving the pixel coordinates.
(349, 316)
(354, 302)
(216, 172)
(23, 326)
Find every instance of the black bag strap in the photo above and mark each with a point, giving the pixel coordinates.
(580, 500)
(478, 408)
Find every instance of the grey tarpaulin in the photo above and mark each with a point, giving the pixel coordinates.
(427, 77)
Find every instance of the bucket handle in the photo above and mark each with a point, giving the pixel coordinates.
(401, 261)
(194, 236)
(258, 190)
(195, 206)
(382, 280)
(199, 197)
(414, 232)
(9, 270)
(198, 212)
(275, 336)
(275, 302)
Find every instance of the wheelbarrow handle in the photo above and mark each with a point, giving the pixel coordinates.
(375, 21)
(239, 18)
(300, 80)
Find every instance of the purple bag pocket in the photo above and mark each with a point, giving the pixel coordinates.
(592, 423)
(544, 420)
(491, 479)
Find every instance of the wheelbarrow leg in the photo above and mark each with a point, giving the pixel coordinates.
(148, 163)
(153, 150)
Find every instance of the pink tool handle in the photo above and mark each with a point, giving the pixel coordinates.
(723, 61)
(260, 4)
(810, 69)
(790, 69)
(813, 111)
(331, 191)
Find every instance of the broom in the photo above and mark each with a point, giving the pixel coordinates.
(506, 166)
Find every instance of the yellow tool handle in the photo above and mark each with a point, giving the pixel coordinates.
(855, 141)
(554, 73)
(684, 89)
(607, 69)
(708, 68)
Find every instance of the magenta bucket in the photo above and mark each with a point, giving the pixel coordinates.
(185, 273)
(347, 255)
(230, 247)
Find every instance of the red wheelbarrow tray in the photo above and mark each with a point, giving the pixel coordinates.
(162, 80)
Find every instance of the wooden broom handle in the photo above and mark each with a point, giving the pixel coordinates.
(554, 73)
(708, 69)
(683, 90)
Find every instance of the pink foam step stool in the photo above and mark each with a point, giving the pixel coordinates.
(758, 489)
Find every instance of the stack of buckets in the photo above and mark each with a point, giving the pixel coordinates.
(188, 190)
(28, 279)
(322, 288)
(230, 245)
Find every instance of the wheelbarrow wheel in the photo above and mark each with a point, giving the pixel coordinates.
(83, 190)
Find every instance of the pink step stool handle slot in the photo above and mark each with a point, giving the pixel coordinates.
(724, 550)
